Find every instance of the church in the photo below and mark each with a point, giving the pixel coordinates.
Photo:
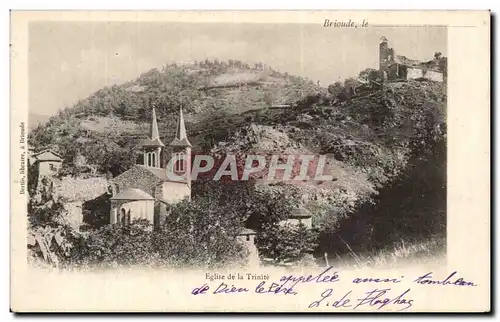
(145, 190)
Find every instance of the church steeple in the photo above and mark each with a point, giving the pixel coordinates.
(153, 131)
(152, 145)
(180, 139)
(181, 151)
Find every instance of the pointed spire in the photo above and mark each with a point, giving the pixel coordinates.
(153, 133)
(180, 134)
(181, 127)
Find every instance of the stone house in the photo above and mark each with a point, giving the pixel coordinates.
(247, 238)
(299, 216)
(46, 163)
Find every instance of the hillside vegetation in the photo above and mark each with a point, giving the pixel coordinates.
(379, 140)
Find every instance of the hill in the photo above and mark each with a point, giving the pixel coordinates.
(35, 119)
(116, 118)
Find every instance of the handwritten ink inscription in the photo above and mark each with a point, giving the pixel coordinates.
(428, 279)
(376, 298)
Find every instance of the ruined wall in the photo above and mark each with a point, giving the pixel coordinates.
(414, 73)
(434, 76)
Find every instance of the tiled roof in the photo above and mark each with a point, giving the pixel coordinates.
(300, 213)
(47, 155)
(247, 231)
(160, 173)
(182, 143)
(132, 194)
(156, 143)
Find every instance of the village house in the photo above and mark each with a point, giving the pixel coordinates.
(46, 163)
(247, 238)
(397, 67)
(300, 216)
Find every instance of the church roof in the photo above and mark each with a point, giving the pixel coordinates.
(132, 194)
(160, 173)
(156, 143)
(182, 143)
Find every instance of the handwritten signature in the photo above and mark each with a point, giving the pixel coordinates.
(377, 298)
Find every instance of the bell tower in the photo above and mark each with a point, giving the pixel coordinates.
(181, 151)
(152, 146)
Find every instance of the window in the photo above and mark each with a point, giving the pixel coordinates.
(248, 237)
(123, 217)
(179, 162)
(149, 159)
(52, 167)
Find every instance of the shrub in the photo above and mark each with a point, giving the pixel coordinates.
(285, 243)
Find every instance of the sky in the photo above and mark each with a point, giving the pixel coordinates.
(68, 61)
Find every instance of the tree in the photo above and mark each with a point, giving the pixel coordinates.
(200, 234)
(335, 89)
(351, 82)
(368, 75)
(268, 99)
(285, 243)
(115, 245)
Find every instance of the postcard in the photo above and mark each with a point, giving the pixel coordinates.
(250, 161)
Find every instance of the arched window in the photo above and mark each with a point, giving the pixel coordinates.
(153, 162)
(149, 159)
(179, 163)
(128, 217)
(123, 217)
